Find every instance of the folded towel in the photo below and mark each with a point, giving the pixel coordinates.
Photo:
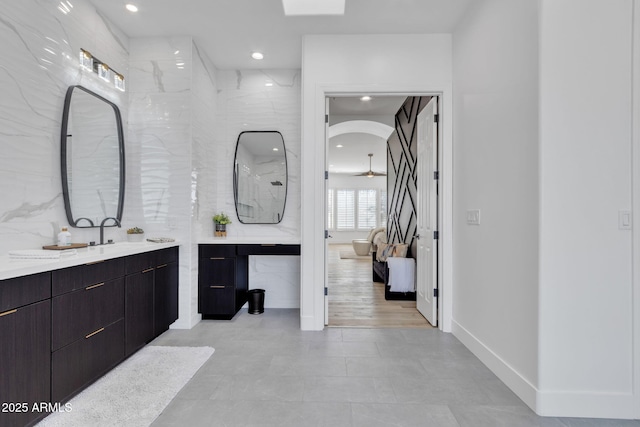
(40, 254)
(402, 274)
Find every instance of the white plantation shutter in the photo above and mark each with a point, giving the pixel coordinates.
(383, 208)
(346, 209)
(331, 222)
(367, 211)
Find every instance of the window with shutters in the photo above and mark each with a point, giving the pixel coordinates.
(350, 209)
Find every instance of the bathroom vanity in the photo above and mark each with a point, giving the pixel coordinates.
(223, 275)
(65, 323)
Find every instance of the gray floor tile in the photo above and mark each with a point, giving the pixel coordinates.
(266, 372)
(384, 415)
(348, 389)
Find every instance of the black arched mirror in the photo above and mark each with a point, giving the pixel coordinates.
(92, 158)
(260, 177)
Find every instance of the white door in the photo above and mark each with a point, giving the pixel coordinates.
(427, 246)
(326, 216)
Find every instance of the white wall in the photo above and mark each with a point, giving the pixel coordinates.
(585, 366)
(495, 307)
(33, 83)
(361, 64)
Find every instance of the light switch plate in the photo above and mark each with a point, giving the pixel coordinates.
(624, 220)
(473, 217)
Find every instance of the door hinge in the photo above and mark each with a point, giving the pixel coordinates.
(435, 292)
(436, 175)
(436, 118)
(326, 234)
(326, 118)
(326, 291)
(436, 235)
(326, 174)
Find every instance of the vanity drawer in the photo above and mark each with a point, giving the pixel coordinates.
(216, 251)
(24, 290)
(166, 256)
(77, 314)
(83, 361)
(74, 278)
(217, 301)
(140, 262)
(267, 249)
(217, 272)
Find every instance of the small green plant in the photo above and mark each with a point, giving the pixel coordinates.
(221, 218)
(135, 230)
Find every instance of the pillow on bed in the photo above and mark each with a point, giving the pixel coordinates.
(398, 250)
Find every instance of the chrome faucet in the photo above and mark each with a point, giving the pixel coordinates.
(102, 227)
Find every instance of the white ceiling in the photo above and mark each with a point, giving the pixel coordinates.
(229, 30)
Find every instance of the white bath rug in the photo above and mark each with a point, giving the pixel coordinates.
(135, 392)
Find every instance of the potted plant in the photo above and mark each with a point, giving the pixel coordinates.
(220, 222)
(135, 234)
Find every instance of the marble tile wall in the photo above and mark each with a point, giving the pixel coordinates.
(246, 103)
(41, 41)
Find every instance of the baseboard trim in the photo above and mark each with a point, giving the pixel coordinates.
(585, 405)
(507, 374)
(549, 403)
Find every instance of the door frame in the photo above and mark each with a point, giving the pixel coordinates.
(312, 282)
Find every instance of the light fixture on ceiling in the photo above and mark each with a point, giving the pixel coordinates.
(365, 98)
(268, 84)
(257, 55)
(339, 146)
(275, 148)
(131, 7)
(370, 173)
(313, 7)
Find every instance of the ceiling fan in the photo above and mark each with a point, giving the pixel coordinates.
(370, 173)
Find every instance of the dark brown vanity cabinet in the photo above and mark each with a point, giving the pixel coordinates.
(87, 319)
(151, 300)
(165, 291)
(222, 281)
(25, 347)
(223, 275)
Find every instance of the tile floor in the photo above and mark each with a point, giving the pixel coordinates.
(266, 372)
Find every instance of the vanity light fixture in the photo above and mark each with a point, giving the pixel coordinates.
(131, 7)
(103, 72)
(86, 60)
(257, 55)
(91, 63)
(118, 81)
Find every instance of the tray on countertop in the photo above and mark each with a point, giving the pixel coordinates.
(62, 248)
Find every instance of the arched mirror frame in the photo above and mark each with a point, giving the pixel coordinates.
(235, 177)
(63, 157)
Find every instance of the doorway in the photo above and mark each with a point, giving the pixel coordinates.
(353, 297)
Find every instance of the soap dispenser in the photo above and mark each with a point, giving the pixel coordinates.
(64, 237)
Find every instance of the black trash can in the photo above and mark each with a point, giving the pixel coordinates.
(256, 301)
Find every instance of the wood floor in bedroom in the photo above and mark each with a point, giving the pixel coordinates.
(356, 301)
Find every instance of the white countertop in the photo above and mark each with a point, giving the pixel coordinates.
(247, 241)
(10, 268)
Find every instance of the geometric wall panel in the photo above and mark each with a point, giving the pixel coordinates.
(402, 162)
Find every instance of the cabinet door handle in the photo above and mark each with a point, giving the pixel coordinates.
(162, 266)
(95, 262)
(215, 258)
(94, 333)
(147, 270)
(217, 286)
(6, 313)
(88, 288)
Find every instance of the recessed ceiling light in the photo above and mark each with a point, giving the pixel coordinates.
(275, 149)
(257, 55)
(365, 98)
(176, 52)
(339, 146)
(132, 7)
(268, 84)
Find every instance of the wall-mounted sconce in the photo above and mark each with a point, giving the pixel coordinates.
(91, 63)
